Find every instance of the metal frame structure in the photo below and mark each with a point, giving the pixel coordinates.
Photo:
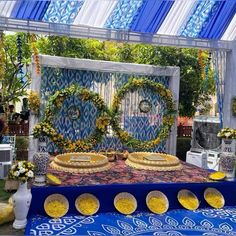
(75, 31)
(46, 28)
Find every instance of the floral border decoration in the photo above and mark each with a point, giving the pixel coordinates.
(45, 128)
(168, 117)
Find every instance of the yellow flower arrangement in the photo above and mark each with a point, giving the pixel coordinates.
(124, 135)
(34, 101)
(55, 209)
(22, 171)
(157, 205)
(214, 198)
(125, 205)
(168, 116)
(45, 128)
(188, 200)
(218, 175)
(85, 94)
(102, 122)
(87, 204)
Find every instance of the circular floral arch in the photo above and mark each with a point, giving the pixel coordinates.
(46, 127)
(168, 116)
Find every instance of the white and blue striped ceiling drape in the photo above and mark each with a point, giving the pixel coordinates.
(204, 19)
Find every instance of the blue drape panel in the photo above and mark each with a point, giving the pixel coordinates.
(200, 15)
(219, 20)
(30, 10)
(123, 14)
(151, 16)
(62, 11)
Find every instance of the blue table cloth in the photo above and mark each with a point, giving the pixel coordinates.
(207, 222)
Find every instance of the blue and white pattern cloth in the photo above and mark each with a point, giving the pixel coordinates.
(62, 11)
(206, 222)
(208, 19)
(140, 125)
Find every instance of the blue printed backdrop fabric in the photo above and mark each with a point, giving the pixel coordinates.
(151, 15)
(30, 10)
(63, 11)
(140, 125)
(220, 18)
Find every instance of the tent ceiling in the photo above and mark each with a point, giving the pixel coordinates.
(190, 23)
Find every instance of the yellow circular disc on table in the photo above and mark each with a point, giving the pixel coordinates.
(125, 203)
(53, 180)
(188, 199)
(157, 202)
(87, 204)
(56, 205)
(218, 175)
(214, 198)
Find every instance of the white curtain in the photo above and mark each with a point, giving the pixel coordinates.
(95, 12)
(230, 33)
(177, 15)
(6, 8)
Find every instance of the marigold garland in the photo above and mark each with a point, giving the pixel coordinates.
(168, 117)
(45, 128)
(35, 54)
(201, 63)
(2, 58)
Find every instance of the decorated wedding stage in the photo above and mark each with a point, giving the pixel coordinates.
(93, 105)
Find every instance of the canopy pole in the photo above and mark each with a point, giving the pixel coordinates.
(230, 89)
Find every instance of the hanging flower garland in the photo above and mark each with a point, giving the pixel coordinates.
(45, 128)
(168, 116)
(201, 63)
(33, 40)
(19, 55)
(2, 58)
(207, 67)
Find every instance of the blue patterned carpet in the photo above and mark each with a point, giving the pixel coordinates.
(207, 222)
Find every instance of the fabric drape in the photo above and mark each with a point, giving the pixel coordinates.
(220, 18)
(230, 33)
(176, 17)
(123, 14)
(95, 12)
(151, 16)
(6, 8)
(63, 11)
(200, 15)
(30, 10)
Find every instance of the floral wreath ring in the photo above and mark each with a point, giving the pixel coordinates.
(168, 116)
(45, 128)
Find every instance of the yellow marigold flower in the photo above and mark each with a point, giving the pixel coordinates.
(124, 135)
(125, 205)
(157, 205)
(55, 209)
(87, 205)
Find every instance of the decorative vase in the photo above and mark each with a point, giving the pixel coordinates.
(228, 145)
(227, 164)
(42, 144)
(41, 161)
(21, 203)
